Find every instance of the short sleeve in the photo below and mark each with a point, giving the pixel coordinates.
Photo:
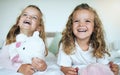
(63, 58)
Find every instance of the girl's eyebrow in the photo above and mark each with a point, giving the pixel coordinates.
(24, 13)
(90, 18)
(32, 15)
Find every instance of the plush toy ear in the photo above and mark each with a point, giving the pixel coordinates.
(36, 33)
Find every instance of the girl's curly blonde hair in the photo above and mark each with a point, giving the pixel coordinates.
(15, 30)
(96, 40)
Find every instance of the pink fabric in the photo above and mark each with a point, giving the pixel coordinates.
(18, 44)
(96, 69)
(16, 59)
(5, 61)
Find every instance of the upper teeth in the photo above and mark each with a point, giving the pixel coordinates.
(82, 30)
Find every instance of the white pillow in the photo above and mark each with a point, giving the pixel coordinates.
(54, 44)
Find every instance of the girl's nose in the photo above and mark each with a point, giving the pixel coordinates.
(29, 17)
(81, 23)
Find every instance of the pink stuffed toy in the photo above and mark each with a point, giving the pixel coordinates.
(95, 69)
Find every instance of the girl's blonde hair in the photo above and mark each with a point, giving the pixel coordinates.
(96, 40)
(15, 30)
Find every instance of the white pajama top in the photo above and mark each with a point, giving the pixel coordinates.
(78, 58)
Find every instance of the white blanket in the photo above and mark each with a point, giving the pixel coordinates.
(52, 69)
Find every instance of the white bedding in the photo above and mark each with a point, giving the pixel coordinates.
(52, 69)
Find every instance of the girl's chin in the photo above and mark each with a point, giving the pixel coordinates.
(83, 38)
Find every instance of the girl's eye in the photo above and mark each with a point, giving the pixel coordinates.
(34, 17)
(87, 21)
(24, 14)
(76, 21)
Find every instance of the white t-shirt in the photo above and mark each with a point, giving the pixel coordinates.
(78, 58)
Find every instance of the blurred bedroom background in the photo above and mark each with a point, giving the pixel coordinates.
(56, 13)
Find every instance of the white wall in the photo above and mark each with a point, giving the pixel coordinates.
(56, 13)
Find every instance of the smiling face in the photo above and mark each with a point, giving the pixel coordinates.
(29, 21)
(83, 24)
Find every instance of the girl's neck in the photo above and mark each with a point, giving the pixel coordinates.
(84, 44)
(27, 33)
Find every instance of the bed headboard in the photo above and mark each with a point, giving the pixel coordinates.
(50, 34)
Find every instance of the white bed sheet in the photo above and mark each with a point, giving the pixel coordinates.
(53, 68)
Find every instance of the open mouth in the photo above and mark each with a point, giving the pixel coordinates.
(27, 22)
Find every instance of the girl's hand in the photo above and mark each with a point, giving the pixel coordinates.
(114, 68)
(69, 70)
(26, 69)
(39, 64)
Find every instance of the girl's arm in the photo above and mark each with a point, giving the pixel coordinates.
(114, 68)
(26, 69)
(69, 70)
(65, 63)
